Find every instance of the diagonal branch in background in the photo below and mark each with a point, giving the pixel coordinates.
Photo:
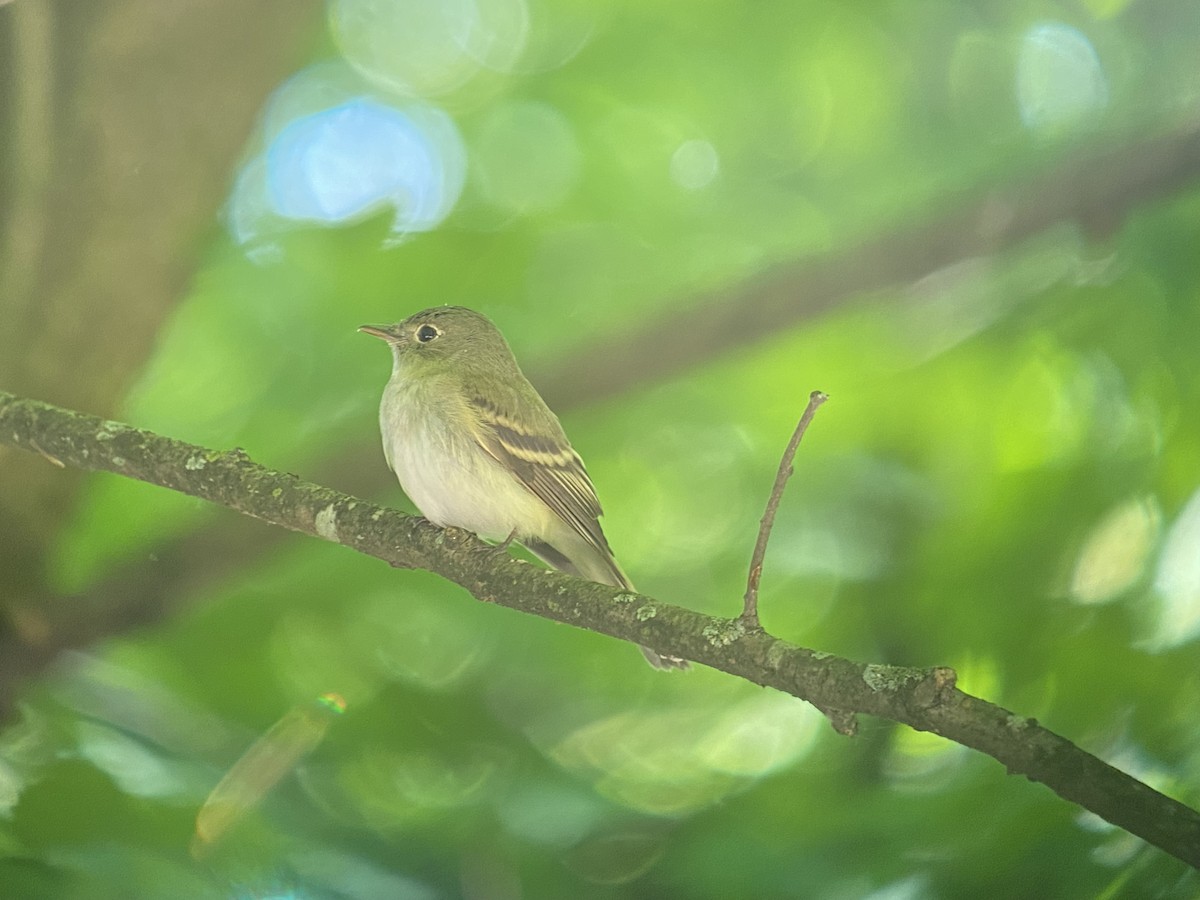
(925, 699)
(1099, 192)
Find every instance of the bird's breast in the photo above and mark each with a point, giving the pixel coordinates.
(430, 444)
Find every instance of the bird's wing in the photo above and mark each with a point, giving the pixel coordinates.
(544, 461)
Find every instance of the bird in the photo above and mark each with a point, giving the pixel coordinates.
(475, 446)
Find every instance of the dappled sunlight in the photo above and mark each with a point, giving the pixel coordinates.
(525, 157)
(919, 762)
(429, 780)
(557, 32)
(759, 735)
(674, 503)
(664, 148)
(545, 811)
(350, 875)
(11, 784)
(342, 162)
(1115, 553)
(618, 856)
(389, 789)
(375, 638)
(957, 302)
(910, 887)
(978, 674)
(1177, 583)
(127, 697)
(850, 533)
(1118, 849)
(137, 769)
(972, 226)
(1059, 406)
(422, 49)
(694, 164)
(346, 140)
(671, 761)
(1060, 81)
(418, 640)
(810, 543)
(1041, 420)
(335, 151)
(845, 83)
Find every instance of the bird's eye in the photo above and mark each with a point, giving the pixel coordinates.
(427, 333)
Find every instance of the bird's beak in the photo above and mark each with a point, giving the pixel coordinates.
(385, 332)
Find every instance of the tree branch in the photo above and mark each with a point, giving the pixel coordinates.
(1098, 190)
(925, 699)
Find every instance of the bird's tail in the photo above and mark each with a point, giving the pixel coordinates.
(603, 569)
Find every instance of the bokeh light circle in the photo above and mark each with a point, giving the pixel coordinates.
(342, 162)
(1060, 81)
(422, 49)
(335, 152)
(694, 165)
(525, 157)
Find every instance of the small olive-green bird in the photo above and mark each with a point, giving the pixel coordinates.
(476, 447)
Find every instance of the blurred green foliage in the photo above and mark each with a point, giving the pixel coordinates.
(1010, 450)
